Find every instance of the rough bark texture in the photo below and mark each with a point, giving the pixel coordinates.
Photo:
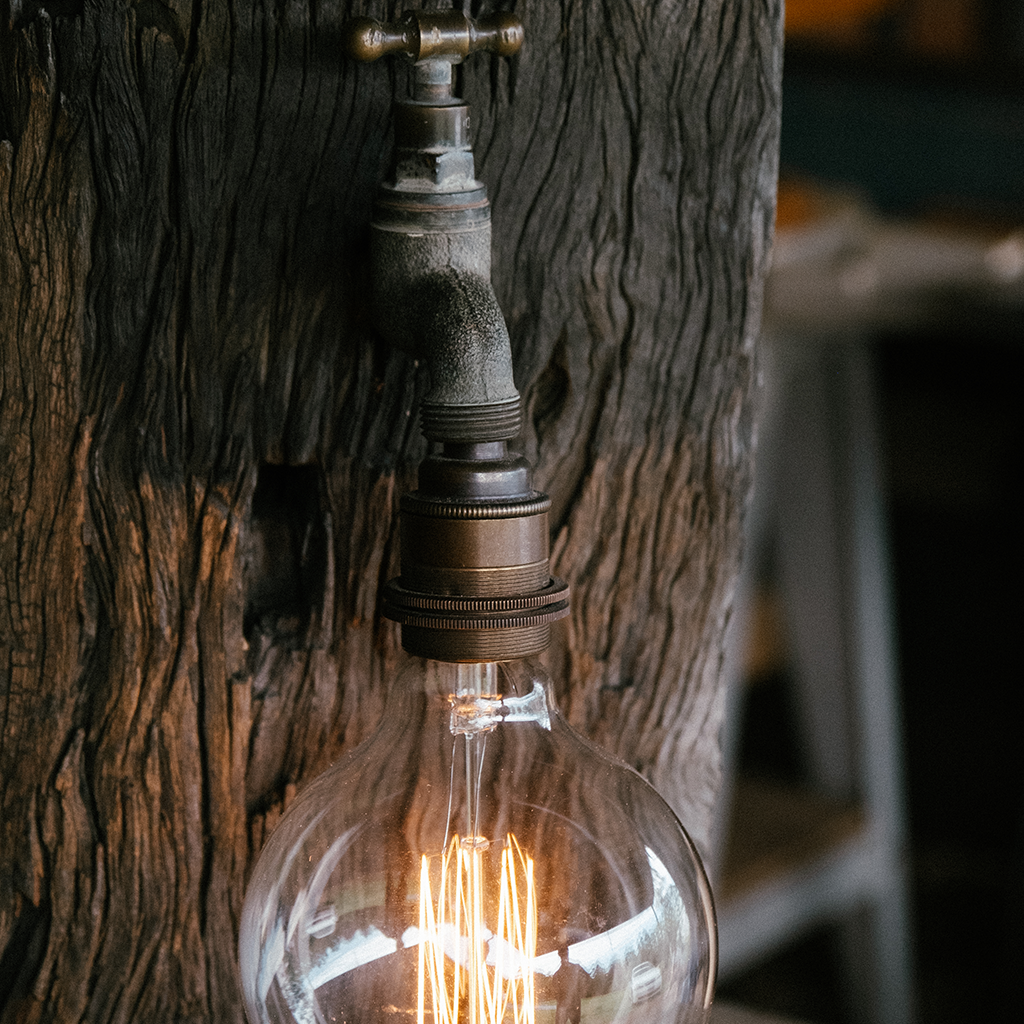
(202, 442)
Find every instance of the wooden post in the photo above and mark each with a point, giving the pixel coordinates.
(202, 442)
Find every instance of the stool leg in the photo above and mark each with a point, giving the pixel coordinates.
(809, 552)
(834, 565)
(884, 927)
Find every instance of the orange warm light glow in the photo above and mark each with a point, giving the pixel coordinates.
(476, 974)
(815, 15)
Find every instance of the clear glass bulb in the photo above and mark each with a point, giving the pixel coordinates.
(475, 861)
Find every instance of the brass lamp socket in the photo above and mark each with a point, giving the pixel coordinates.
(476, 582)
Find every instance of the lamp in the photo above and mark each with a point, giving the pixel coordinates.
(474, 860)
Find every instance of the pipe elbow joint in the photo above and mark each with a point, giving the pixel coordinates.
(433, 296)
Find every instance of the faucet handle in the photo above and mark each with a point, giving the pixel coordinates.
(434, 35)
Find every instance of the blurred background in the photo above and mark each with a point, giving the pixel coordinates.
(895, 309)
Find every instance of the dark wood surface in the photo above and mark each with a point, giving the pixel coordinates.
(202, 442)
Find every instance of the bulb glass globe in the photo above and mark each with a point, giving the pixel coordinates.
(475, 861)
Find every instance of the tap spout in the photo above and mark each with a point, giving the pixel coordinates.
(476, 582)
(433, 296)
(432, 267)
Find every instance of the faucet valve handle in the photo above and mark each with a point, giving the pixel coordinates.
(434, 35)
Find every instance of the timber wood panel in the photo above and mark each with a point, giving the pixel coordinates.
(196, 415)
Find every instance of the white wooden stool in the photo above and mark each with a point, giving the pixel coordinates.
(836, 853)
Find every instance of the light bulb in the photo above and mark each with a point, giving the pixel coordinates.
(476, 861)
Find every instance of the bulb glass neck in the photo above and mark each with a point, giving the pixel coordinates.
(476, 679)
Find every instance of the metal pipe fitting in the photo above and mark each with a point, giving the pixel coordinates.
(476, 582)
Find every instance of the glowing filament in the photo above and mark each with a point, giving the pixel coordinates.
(475, 974)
